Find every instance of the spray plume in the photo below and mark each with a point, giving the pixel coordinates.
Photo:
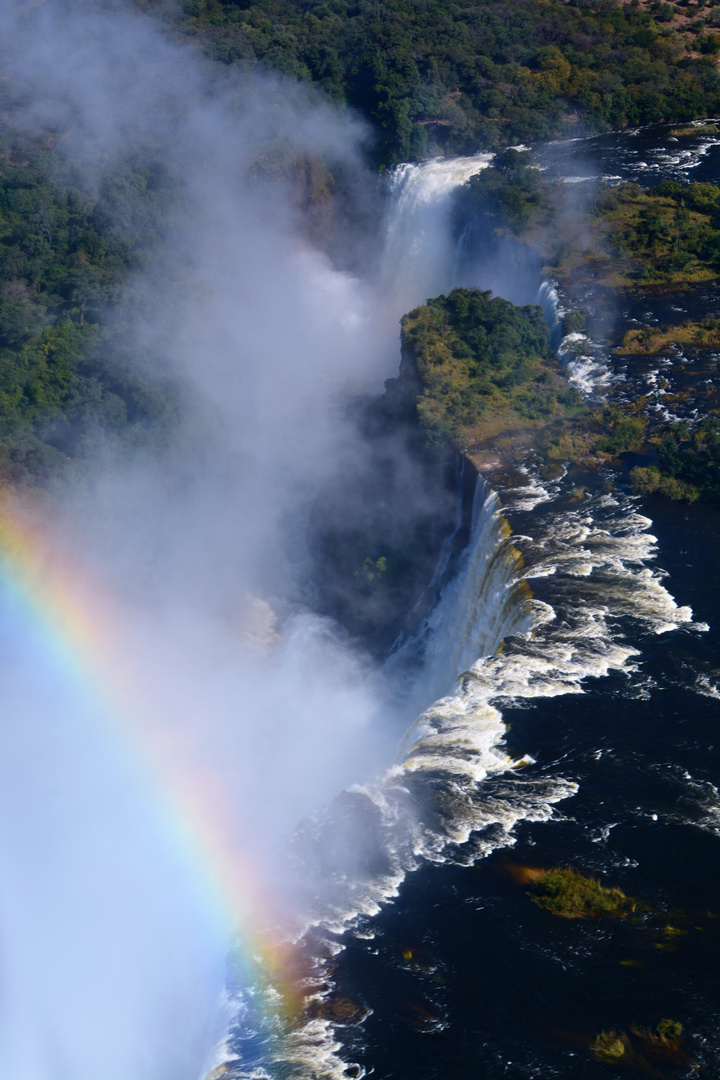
(174, 706)
(171, 707)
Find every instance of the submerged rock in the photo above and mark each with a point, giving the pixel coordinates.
(644, 1047)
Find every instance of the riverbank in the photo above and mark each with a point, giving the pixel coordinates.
(612, 249)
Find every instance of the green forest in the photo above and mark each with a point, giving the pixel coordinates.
(484, 365)
(626, 237)
(429, 79)
(66, 262)
(688, 464)
(460, 77)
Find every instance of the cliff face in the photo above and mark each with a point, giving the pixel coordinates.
(478, 387)
(311, 184)
(377, 530)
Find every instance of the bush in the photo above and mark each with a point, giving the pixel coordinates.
(574, 322)
(475, 352)
(627, 434)
(565, 892)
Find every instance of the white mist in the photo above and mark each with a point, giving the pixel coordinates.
(112, 941)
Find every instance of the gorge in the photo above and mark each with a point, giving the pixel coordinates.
(197, 751)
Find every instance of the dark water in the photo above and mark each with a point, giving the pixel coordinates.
(446, 969)
(463, 976)
(645, 155)
(494, 986)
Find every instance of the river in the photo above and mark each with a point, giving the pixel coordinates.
(589, 739)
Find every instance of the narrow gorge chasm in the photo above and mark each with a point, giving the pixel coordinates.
(358, 615)
(522, 588)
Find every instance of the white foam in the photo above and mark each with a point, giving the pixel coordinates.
(455, 791)
(420, 251)
(707, 686)
(698, 803)
(586, 363)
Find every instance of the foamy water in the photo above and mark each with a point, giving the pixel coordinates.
(548, 595)
(454, 791)
(420, 251)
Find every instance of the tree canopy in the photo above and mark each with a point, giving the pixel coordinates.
(481, 358)
(65, 258)
(475, 74)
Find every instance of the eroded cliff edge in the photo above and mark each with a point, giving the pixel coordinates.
(478, 390)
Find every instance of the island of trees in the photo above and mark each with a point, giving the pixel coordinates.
(429, 79)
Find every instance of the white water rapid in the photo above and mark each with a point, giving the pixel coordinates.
(584, 360)
(453, 791)
(420, 253)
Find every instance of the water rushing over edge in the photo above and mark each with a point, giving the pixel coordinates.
(420, 252)
(453, 790)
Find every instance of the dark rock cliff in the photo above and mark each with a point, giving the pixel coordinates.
(378, 529)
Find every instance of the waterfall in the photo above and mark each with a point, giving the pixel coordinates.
(355, 854)
(490, 642)
(481, 606)
(549, 300)
(585, 361)
(454, 792)
(420, 251)
(477, 607)
(446, 550)
(517, 617)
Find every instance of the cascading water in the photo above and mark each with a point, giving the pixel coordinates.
(549, 300)
(114, 924)
(584, 360)
(454, 792)
(419, 251)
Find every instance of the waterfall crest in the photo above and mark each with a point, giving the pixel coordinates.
(454, 792)
(585, 360)
(420, 253)
(539, 603)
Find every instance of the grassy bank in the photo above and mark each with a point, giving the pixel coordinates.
(662, 339)
(608, 243)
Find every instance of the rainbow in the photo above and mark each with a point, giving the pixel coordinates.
(79, 626)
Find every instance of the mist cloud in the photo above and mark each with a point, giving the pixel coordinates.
(201, 547)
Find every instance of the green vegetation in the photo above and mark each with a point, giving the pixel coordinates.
(574, 322)
(453, 78)
(623, 432)
(666, 1031)
(512, 193)
(576, 442)
(371, 572)
(650, 341)
(643, 1047)
(65, 256)
(668, 233)
(625, 239)
(632, 238)
(613, 1047)
(688, 463)
(484, 366)
(430, 78)
(563, 891)
(637, 239)
(477, 373)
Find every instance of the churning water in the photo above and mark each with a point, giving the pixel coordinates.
(553, 619)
